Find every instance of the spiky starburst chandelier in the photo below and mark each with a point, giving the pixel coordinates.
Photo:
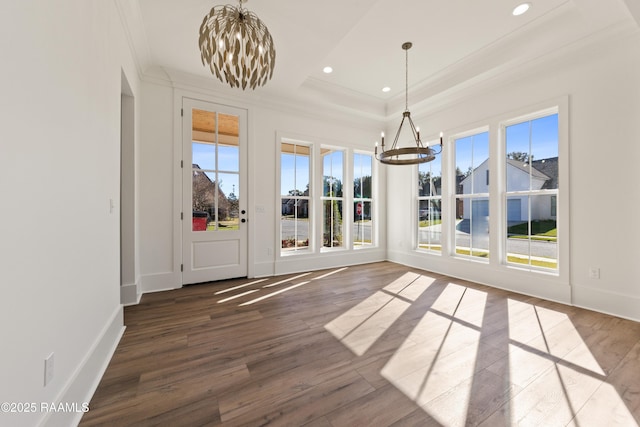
(237, 46)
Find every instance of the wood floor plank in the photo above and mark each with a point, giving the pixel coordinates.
(370, 345)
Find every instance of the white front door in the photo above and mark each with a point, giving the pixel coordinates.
(214, 229)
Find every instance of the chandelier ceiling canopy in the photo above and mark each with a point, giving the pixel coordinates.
(411, 155)
(237, 46)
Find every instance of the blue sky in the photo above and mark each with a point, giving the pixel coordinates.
(204, 155)
(298, 167)
(294, 173)
(471, 151)
(538, 137)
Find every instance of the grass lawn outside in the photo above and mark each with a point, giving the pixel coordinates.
(544, 230)
(224, 225)
(553, 264)
(431, 247)
(428, 223)
(476, 253)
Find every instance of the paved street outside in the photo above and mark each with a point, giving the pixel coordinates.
(361, 231)
(463, 237)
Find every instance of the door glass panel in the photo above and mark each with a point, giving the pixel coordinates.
(204, 155)
(228, 201)
(215, 167)
(203, 200)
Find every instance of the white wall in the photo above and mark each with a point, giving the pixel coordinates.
(157, 216)
(160, 198)
(59, 167)
(602, 82)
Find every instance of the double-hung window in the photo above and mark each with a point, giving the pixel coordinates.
(295, 201)
(430, 205)
(362, 201)
(332, 198)
(532, 192)
(471, 203)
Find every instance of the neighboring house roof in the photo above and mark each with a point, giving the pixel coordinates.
(468, 177)
(546, 169)
(519, 164)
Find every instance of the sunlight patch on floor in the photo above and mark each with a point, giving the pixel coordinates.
(554, 369)
(270, 285)
(361, 326)
(617, 413)
(272, 294)
(238, 296)
(439, 354)
(255, 282)
(290, 279)
(330, 273)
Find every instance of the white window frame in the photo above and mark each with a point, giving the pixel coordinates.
(325, 149)
(311, 217)
(470, 196)
(529, 193)
(430, 198)
(363, 200)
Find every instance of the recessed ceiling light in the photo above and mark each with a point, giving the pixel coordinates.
(520, 9)
(386, 89)
(327, 70)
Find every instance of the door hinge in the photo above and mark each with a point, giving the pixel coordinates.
(181, 216)
(181, 163)
(182, 112)
(181, 267)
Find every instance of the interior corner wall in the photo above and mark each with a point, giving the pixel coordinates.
(158, 213)
(602, 82)
(129, 255)
(157, 216)
(59, 174)
(348, 133)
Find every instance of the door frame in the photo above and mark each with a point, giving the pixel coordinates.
(179, 95)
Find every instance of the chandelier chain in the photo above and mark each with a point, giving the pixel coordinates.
(406, 79)
(407, 155)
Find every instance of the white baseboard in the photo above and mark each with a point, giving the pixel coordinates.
(263, 269)
(603, 301)
(538, 285)
(160, 282)
(299, 263)
(130, 294)
(84, 381)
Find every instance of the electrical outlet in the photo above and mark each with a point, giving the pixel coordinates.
(594, 273)
(48, 369)
(269, 251)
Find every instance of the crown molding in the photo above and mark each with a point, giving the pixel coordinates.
(297, 103)
(450, 90)
(134, 30)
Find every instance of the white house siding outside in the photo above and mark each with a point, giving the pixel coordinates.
(517, 180)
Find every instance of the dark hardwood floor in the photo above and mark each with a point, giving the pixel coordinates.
(371, 345)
